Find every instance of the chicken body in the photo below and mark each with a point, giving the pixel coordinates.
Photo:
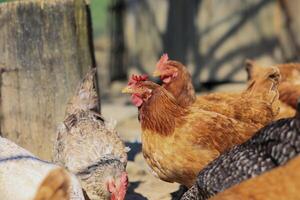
(226, 103)
(289, 88)
(272, 146)
(90, 147)
(277, 184)
(22, 174)
(91, 151)
(178, 142)
(258, 101)
(172, 154)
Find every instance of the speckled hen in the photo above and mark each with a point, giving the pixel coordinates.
(272, 146)
(90, 147)
(277, 184)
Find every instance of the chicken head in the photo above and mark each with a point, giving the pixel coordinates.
(165, 70)
(139, 88)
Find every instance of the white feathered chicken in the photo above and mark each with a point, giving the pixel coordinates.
(23, 176)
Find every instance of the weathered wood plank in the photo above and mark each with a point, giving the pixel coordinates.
(45, 51)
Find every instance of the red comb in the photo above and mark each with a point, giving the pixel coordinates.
(137, 78)
(163, 59)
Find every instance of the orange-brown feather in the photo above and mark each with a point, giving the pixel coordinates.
(289, 93)
(181, 86)
(161, 113)
(261, 98)
(289, 87)
(178, 142)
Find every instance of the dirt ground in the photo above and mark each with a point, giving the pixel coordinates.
(143, 185)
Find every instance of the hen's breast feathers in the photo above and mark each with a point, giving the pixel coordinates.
(84, 137)
(86, 142)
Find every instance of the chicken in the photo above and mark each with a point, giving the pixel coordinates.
(277, 184)
(89, 146)
(22, 175)
(272, 146)
(289, 88)
(289, 73)
(177, 142)
(258, 101)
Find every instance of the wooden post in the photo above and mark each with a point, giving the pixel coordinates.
(117, 61)
(45, 50)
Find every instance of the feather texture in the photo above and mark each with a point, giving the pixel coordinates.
(270, 147)
(289, 88)
(21, 173)
(277, 184)
(88, 145)
(180, 141)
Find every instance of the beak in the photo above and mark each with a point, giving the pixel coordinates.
(156, 73)
(127, 90)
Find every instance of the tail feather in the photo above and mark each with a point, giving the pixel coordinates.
(86, 96)
(55, 186)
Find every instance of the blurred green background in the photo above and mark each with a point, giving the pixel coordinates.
(99, 16)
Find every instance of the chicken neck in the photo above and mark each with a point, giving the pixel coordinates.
(161, 112)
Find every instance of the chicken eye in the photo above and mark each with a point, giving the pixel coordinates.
(273, 76)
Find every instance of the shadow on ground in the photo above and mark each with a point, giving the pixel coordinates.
(135, 148)
(131, 194)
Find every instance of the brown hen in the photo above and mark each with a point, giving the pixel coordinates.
(178, 141)
(257, 105)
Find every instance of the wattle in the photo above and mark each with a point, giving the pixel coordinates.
(136, 100)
